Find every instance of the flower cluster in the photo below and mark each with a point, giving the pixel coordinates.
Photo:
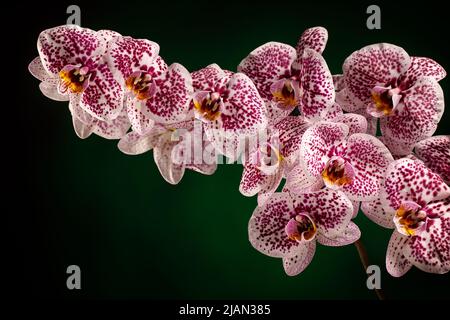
(285, 117)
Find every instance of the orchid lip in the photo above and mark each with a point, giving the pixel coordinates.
(285, 93)
(337, 173)
(410, 219)
(301, 228)
(74, 78)
(208, 105)
(140, 85)
(384, 101)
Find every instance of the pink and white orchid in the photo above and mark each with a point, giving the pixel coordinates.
(416, 203)
(72, 67)
(229, 106)
(155, 92)
(353, 163)
(288, 226)
(72, 63)
(288, 77)
(402, 91)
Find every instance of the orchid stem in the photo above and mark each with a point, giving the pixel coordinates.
(365, 262)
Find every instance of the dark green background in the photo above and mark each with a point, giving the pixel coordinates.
(135, 236)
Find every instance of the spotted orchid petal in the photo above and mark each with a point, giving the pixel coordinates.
(397, 148)
(83, 122)
(297, 181)
(139, 115)
(429, 251)
(163, 154)
(113, 129)
(317, 86)
(69, 45)
(350, 235)
(356, 123)
(373, 65)
(127, 55)
(270, 188)
(300, 260)
(82, 130)
(313, 38)
(396, 262)
(409, 180)
(290, 132)
(330, 210)
(266, 64)
(196, 153)
(316, 142)
(77, 111)
(243, 116)
(133, 143)
(418, 113)
(333, 113)
(103, 98)
(36, 68)
(266, 227)
(424, 67)
(228, 144)
(435, 153)
(49, 84)
(275, 114)
(203, 168)
(170, 103)
(207, 78)
(50, 90)
(369, 158)
(348, 103)
(375, 212)
(254, 181)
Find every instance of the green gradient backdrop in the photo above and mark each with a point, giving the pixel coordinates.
(134, 235)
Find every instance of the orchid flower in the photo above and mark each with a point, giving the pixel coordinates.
(288, 226)
(402, 91)
(415, 202)
(175, 148)
(72, 63)
(288, 77)
(155, 92)
(72, 67)
(353, 163)
(229, 106)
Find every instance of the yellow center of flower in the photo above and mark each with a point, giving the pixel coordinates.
(302, 227)
(286, 96)
(209, 107)
(409, 220)
(140, 85)
(334, 173)
(382, 102)
(74, 79)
